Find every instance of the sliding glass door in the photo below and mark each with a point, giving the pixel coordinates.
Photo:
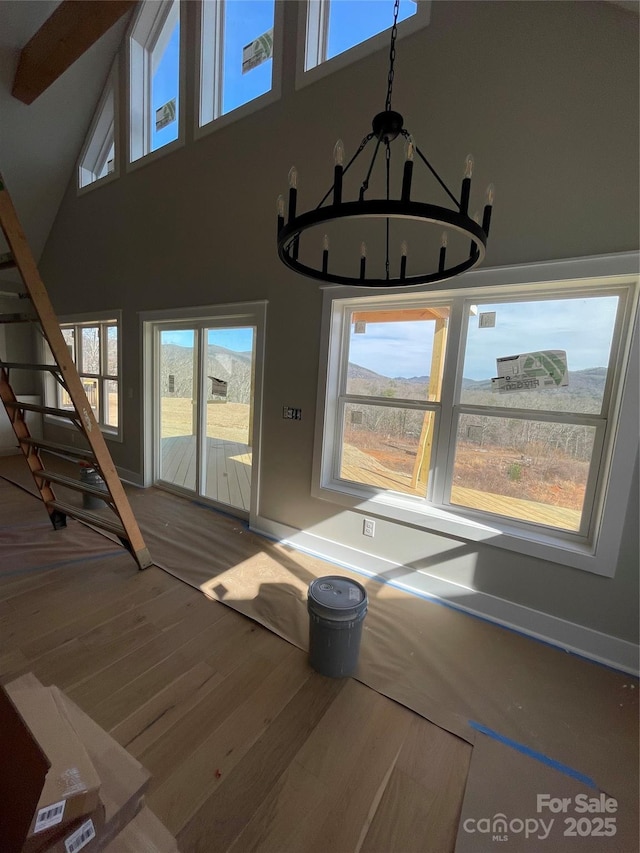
(205, 400)
(230, 367)
(177, 401)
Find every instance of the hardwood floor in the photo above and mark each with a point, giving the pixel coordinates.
(249, 748)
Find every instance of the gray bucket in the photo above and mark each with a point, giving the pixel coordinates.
(337, 607)
(90, 477)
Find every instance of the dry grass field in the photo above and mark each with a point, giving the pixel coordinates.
(228, 421)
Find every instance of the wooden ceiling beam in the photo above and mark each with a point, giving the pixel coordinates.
(398, 315)
(70, 31)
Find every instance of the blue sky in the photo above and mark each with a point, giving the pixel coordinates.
(165, 87)
(351, 23)
(581, 327)
(237, 339)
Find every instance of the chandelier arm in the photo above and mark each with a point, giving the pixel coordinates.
(361, 148)
(365, 183)
(438, 178)
(388, 166)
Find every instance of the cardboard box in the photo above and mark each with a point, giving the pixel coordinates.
(123, 779)
(145, 834)
(123, 782)
(73, 838)
(70, 787)
(23, 771)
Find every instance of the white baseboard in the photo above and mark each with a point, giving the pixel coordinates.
(131, 477)
(586, 642)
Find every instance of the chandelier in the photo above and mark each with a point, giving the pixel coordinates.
(393, 268)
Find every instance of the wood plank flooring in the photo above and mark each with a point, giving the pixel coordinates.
(249, 748)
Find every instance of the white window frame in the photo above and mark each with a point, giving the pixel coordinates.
(595, 548)
(102, 135)
(153, 22)
(208, 80)
(53, 388)
(313, 32)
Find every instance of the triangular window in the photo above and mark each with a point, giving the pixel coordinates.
(98, 158)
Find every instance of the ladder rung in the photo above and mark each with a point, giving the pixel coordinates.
(124, 524)
(19, 365)
(70, 483)
(45, 410)
(54, 447)
(90, 518)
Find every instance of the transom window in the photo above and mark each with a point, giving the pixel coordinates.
(337, 32)
(494, 406)
(236, 54)
(154, 60)
(93, 346)
(335, 26)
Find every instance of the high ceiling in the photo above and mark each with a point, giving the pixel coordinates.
(40, 143)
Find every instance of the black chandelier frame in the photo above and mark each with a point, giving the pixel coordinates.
(386, 127)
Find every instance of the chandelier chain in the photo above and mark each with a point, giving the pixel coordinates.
(388, 169)
(392, 53)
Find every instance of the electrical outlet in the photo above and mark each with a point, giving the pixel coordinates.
(369, 527)
(291, 414)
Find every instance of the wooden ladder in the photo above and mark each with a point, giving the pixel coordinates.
(121, 520)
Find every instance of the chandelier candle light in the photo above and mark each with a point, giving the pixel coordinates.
(386, 127)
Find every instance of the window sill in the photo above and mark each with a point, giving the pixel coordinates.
(152, 156)
(108, 434)
(544, 543)
(236, 114)
(99, 182)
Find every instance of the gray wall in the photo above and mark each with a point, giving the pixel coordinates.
(546, 97)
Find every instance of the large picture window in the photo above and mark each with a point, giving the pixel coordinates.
(491, 406)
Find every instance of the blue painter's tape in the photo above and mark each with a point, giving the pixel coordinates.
(538, 756)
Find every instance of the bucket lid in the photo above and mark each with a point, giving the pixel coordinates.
(333, 593)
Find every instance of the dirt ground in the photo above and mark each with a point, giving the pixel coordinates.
(557, 480)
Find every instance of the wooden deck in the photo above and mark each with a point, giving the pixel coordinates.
(361, 468)
(228, 474)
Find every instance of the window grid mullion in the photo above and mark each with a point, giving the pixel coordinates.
(545, 415)
(392, 402)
